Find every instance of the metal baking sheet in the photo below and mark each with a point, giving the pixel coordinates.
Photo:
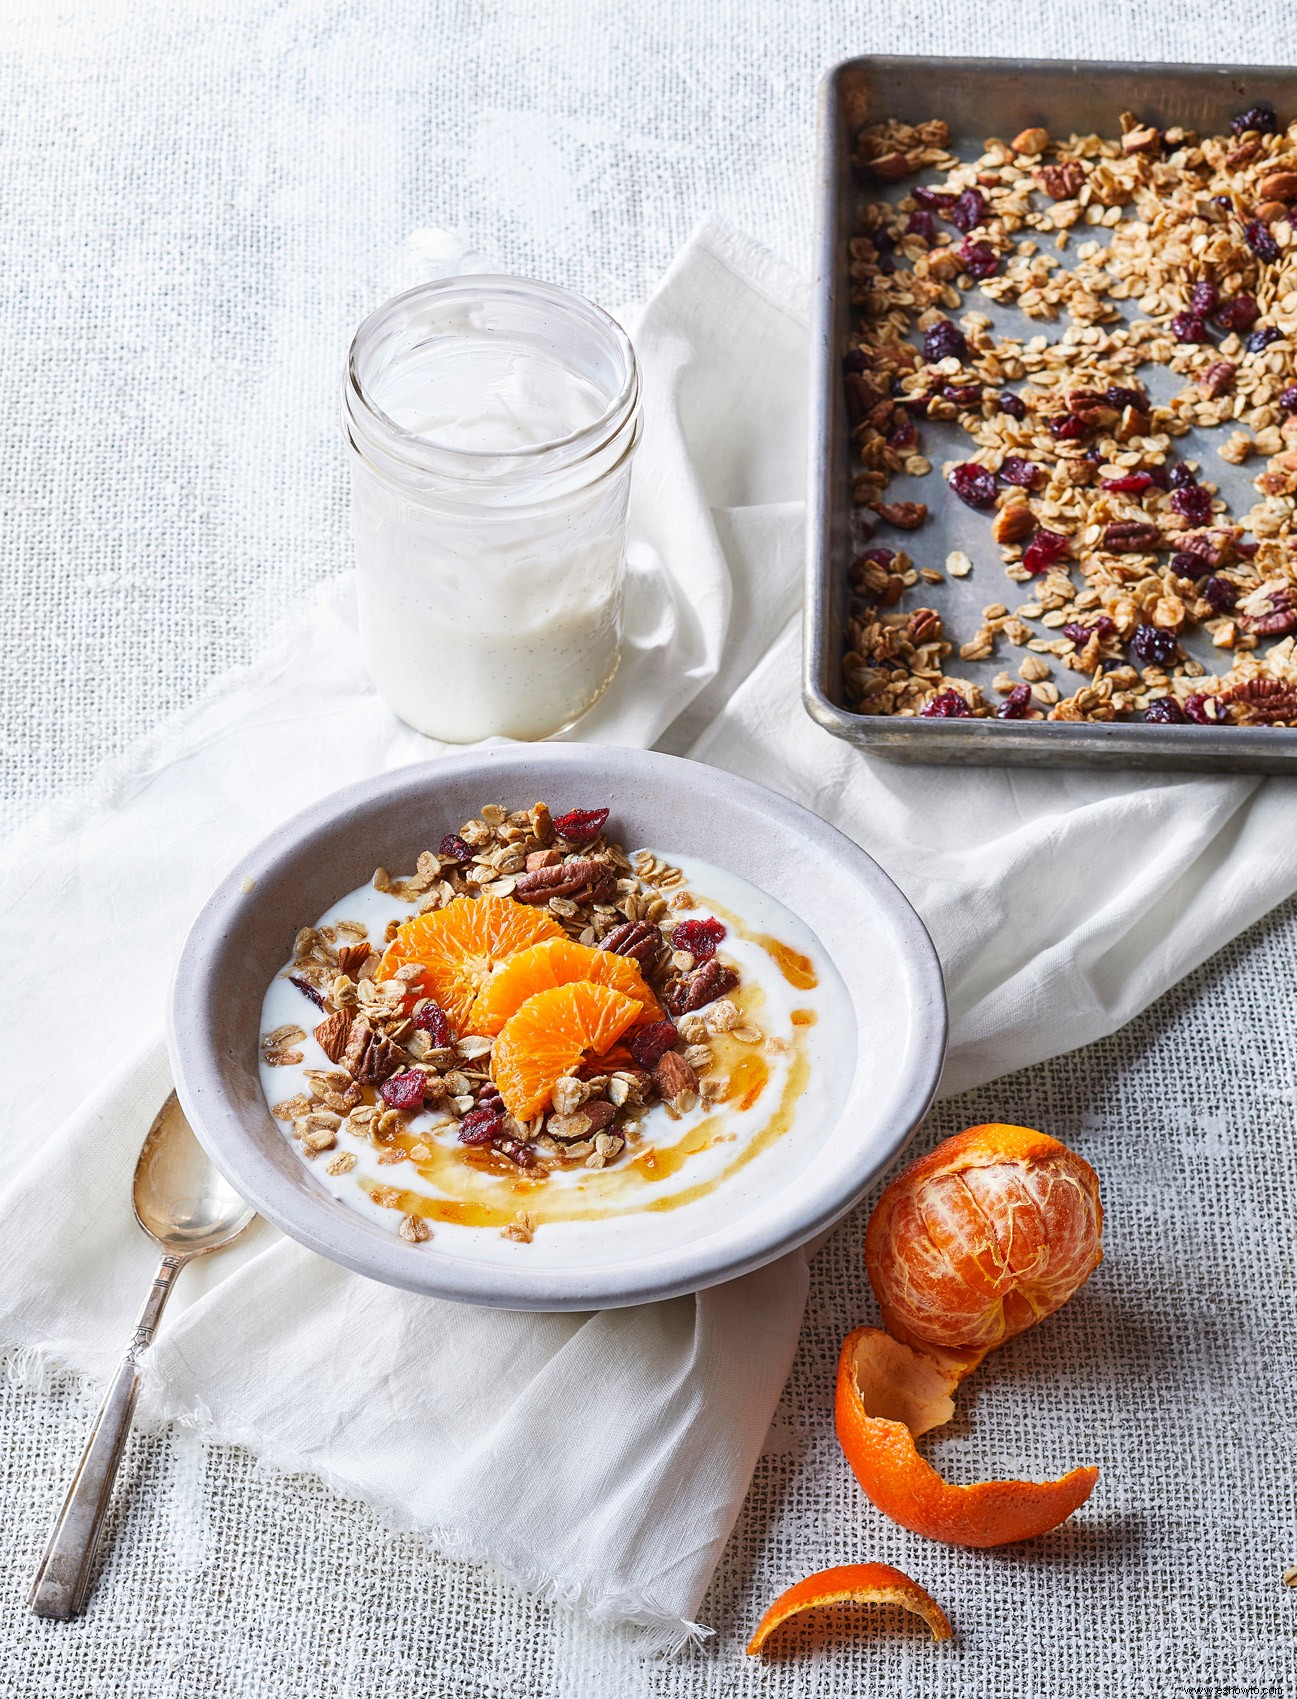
(980, 98)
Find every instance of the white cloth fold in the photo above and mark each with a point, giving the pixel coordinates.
(600, 1458)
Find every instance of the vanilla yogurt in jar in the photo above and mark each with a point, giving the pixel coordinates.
(493, 422)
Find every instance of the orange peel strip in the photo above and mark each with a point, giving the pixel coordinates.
(889, 1394)
(854, 1583)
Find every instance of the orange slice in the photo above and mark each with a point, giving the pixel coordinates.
(887, 1395)
(854, 1583)
(457, 947)
(548, 1037)
(557, 961)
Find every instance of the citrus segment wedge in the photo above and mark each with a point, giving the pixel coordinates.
(855, 1583)
(457, 947)
(556, 961)
(549, 1036)
(887, 1395)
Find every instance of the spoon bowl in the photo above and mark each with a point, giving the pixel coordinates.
(182, 1200)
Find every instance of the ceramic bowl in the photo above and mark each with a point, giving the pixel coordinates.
(243, 936)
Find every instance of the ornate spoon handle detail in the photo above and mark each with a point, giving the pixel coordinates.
(63, 1576)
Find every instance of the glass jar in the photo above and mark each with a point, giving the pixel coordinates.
(492, 422)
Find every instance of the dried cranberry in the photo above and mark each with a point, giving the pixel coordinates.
(1204, 299)
(1103, 627)
(307, 989)
(949, 705)
(1240, 314)
(1262, 338)
(1116, 395)
(973, 484)
(403, 1091)
(944, 341)
(649, 1044)
(1153, 646)
(581, 825)
(1015, 470)
(1195, 709)
(962, 394)
(922, 224)
(1261, 242)
(1165, 710)
(879, 557)
(1067, 427)
(1043, 550)
(903, 434)
(968, 211)
(1016, 705)
(1182, 475)
(1160, 476)
(433, 1019)
(1288, 400)
(1188, 327)
(699, 937)
(938, 199)
(1220, 594)
(1223, 200)
(855, 360)
(1129, 484)
(481, 1126)
(1260, 118)
(979, 259)
(1012, 404)
(1248, 548)
(454, 846)
(1186, 564)
(1192, 503)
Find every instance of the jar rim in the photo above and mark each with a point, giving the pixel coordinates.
(423, 454)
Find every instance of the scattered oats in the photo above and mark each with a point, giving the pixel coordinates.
(414, 1229)
(247, 886)
(748, 1033)
(342, 1163)
(720, 1016)
(522, 1229)
(958, 564)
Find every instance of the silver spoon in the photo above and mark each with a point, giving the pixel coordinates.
(189, 1208)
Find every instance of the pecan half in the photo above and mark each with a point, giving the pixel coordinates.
(1061, 182)
(1244, 153)
(905, 515)
(369, 1057)
(1217, 378)
(674, 1075)
(1260, 702)
(331, 1035)
(639, 939)
(579, 879)
(350, 956)
(1268, 611)
(1130, 537)
(890, 168)
(704, 985)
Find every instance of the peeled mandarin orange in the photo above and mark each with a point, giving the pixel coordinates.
(549, 1036)
(887, 1395)
(980, 1239)
(457, 947)
(556, 961)
(854, 1583)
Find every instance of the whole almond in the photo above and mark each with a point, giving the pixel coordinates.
(674, 1075)
(1034, 140)
(1013, 523)
(1279, 186)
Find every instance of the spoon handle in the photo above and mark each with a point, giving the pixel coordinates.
(63, 1578)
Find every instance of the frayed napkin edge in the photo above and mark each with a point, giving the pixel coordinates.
(655, 1633)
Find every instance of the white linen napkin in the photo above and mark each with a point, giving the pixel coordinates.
(600, 1459)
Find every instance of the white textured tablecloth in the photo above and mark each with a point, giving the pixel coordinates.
(200, 205)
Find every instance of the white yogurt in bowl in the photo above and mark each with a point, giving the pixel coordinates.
(783, 1093)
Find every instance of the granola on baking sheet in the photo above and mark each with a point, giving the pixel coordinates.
(1119, 548)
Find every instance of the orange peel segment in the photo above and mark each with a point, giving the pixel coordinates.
(550, 1035)
(457, 947)
(556, 961)
(887, 1395)
(853, 1583)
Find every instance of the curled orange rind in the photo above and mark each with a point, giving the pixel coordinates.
(853, 1583)
(888, 1394)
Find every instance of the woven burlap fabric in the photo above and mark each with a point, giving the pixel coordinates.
(1172, 1370)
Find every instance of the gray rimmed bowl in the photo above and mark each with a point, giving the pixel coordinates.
(244, 933)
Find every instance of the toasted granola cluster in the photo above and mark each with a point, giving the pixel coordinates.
(393, 1059)
(1126, 547)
